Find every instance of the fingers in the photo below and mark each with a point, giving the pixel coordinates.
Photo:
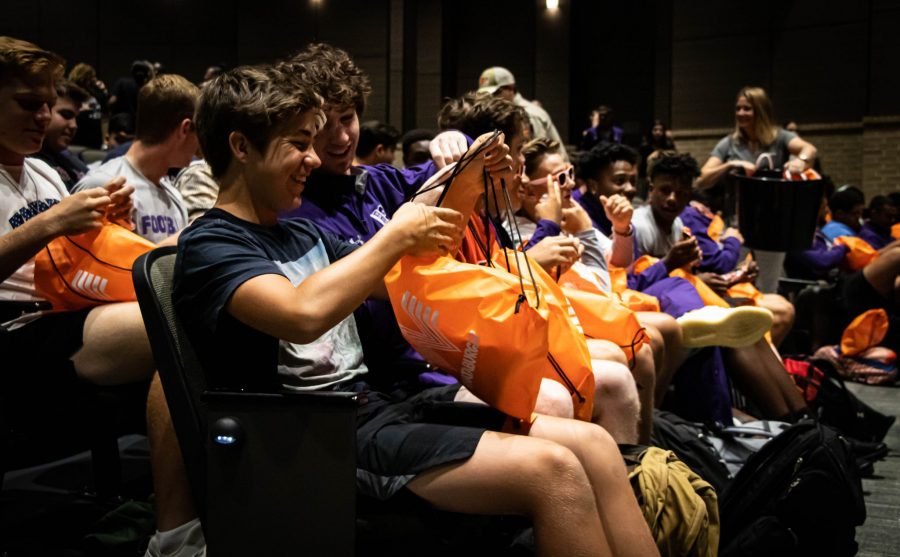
(115, 184)
(450, 216)
(447, 147)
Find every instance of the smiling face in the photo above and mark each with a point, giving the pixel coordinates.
(25, 114)
(278, 175)
(743, 113)
(336, 142)
(63, 125)
(619, 177)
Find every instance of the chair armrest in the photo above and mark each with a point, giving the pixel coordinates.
(286, 485)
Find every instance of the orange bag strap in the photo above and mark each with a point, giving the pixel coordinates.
(565, 378)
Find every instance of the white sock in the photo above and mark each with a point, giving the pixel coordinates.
(172, 540)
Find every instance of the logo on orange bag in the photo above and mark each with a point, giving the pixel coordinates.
(90, 284)
(428, 337)
(470, 355)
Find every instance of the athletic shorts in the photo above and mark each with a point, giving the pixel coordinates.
(400, 436)
(38, 354)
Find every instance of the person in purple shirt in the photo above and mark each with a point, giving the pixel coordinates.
(883, 214)
(877, 285)
(846, 205)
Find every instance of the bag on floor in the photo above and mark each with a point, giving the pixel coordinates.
(799, 496)
(680, 507)
(691, 442)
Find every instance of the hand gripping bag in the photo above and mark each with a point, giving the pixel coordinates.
(75, 272)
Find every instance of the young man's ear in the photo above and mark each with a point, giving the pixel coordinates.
(239, 145)
(186, 127)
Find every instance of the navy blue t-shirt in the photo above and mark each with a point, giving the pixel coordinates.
(217, 254)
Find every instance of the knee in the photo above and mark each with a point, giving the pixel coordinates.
(644, 371)
(606, 351)
(615, 385)
(555, 474)
(554, 400)
(782, 309)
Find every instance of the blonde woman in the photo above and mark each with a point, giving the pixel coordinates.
(756, 137)
(756, 143)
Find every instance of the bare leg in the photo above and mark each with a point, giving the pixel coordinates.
(675, 353)
(883, 273)
(759, 374)
(174, 506)
(115, 347)
(782, 313)
(644, 373)
(568, 477)
(616, 400)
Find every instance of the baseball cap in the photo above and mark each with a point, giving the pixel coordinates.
(493, 78)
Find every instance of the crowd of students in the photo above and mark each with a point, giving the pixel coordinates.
(288, 213)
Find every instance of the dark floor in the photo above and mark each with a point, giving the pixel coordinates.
(44, 510)
(880, 535)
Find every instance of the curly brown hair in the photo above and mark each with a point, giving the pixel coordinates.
(333, 74)
(20, 58)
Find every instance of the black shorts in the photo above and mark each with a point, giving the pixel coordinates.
(39, 353)
(399, 437)
(855, 295)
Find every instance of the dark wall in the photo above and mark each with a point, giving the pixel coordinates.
(187, 36)
(821, 60)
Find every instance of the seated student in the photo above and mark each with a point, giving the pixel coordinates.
(882, 216)
(164, 139)
(756, 369)
(60, 132)
(718, 266)
(415, 147)
(874, 286)
(847, 205)
(567, 476)
(37, 347)
(377, 143)
(353, 203)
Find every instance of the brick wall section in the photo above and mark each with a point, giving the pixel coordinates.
(881, 155)
(864, 154)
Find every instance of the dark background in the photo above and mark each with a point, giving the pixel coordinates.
(822, 61)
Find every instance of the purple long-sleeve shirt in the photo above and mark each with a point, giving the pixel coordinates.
(817, 262)
(877, 239)
(717, 258)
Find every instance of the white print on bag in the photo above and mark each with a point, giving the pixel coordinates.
(428, 339)
(570, 310)
(90, 284)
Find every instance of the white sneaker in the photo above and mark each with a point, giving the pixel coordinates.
(728, 327)
(185, 541)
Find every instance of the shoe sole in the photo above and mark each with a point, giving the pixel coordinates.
(742, 326)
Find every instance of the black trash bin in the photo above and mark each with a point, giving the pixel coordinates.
(775, 214)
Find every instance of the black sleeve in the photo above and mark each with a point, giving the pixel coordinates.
(211, 265)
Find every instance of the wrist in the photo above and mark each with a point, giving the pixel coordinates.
(628, 231)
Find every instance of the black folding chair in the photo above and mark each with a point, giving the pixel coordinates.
(271, 473)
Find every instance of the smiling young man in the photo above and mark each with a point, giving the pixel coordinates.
(246, 280)
(61, 131)
(41, 349)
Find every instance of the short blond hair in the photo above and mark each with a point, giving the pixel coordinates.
(20, 59)
(163, 103)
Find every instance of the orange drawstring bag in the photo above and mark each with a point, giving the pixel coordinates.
(745, 290)
(859, 252)
(602, 315)
(568, 360)
(895, 231)
(89, 269)
(867, 330)
(472, 322)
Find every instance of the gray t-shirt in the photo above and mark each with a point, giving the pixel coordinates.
(159, 210)
(650, 239)
(729, 149)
